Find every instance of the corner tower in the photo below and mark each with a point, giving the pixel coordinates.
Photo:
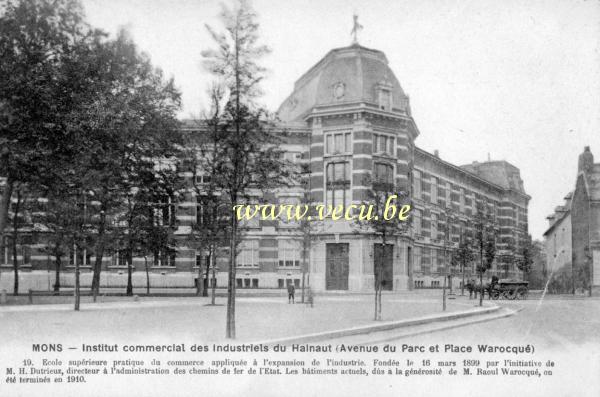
(360, 124)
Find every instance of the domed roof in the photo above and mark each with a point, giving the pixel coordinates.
(345, 76)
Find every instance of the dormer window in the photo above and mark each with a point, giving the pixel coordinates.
(385, 100)
(384, 95)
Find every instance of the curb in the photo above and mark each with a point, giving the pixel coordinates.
(502, 313)
(387, 326)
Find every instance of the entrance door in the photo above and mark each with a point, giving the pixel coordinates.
(336, 277)
(387, 279)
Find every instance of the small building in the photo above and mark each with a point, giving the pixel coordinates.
(573, 238)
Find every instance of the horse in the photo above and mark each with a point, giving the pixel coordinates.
(475, 288)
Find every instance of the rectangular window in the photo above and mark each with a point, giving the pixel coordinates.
(248, 254)
(165, 258)
(238, 282)
(417, 222)
(79, 256)
(280, 283)
(119, 258)
(338, 184)
(164, 212)
(384, 173)
(383, 144)
(416, 184)
(254, 283)
(338, 143)
(434, 196)
(417, 259)
(283, 220)
(385, 100)
(289, 253)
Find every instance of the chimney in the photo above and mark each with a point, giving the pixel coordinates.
(586, 160)
(436, 153)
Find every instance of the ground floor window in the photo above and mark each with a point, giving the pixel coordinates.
(283, 283)
(165, 258)
(23, 252)
(246, 282)
(120, 258)
(213, 282)
(79, 256)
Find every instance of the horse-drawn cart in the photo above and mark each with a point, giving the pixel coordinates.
(509, 289)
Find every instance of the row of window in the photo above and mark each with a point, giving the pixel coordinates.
(253, 282)
(432, 284)
(340, 143)
(289, 252)
(449, 195)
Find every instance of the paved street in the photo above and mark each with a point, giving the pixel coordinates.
(166, 319)
(557, 322)
(552, 323)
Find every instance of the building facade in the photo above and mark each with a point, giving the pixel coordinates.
(558, 236)
(347, 121)
(577, 225)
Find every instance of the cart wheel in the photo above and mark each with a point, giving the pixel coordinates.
(521, 293)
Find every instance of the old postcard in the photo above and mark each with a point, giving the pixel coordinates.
(267, 198)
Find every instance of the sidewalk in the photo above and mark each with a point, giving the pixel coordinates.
(191, 319)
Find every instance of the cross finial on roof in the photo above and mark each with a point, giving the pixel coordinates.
(355, 29)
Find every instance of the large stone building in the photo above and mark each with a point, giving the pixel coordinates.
(573, 236)
(346, 118)
(557, 238)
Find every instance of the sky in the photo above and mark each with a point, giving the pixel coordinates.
(513, 80)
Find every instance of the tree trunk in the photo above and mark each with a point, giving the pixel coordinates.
(77, 286)
(15, 265)
(207, 274)
(303, 268)
(14, 243)
(376, 302)
(214, 276)
(4, 207)
(230, 329)
(129, 290)
(481, 288)
(200, 281)
(444, 294)
(147, 275)
(378, 273)
(462, 287)
(99, 255)
(57, 264)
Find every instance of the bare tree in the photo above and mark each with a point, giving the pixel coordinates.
(387, 219)
(249, 157)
